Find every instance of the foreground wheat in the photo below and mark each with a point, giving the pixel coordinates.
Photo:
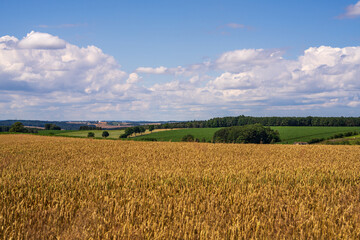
(67, 188)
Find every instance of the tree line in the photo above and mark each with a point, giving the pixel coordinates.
(267, 121)
(134, 130)
(89, 127)
(18, 127)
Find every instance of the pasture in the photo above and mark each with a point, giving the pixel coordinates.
(304, 134)
(113, 134)
(288, 135)
(175, 135)
(73, 188)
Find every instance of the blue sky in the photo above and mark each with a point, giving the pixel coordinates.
(178, 60)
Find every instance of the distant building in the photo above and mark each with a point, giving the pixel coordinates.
(301, 143)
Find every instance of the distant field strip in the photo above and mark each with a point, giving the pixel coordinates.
(176, 134)
(304, 134)
(73, 188)
(113, 134)
(287, 134)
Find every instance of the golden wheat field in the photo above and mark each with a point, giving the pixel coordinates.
(66, 188)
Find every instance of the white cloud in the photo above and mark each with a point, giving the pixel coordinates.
(149, 70)
(239, 60)
(234, 81)
(46, 81)
(352, 11)
(133, 78)
(45, 63)
(36, 40)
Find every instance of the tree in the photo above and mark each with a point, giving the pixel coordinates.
(129, 131)
(86, 127)
(151, 128)
(124, 135)
(142, 129)
(17, 127)
(188, 138)
(105, 134)
(91, 134)
(255, 133)
(49, 126)
(136, 130)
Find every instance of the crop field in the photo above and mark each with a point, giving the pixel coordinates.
(73, 188)
(113, 134)
(288, 135)
(176, 134)
(304, 134)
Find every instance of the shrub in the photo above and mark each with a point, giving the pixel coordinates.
(124, 135)
(339, 135)
(91, 135)
(348, 134)
(149, 139)
(339, 143)
(316, 140)
(49, 126)
(188, 138)
(105, 134)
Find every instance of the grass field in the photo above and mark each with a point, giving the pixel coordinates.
(113, 134)
(304, 134)
(176, 134)
(73, 188)
(287, 134)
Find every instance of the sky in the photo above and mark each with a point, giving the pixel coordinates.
(178, 60)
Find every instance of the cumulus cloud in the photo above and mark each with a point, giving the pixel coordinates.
(234, 81)
(150, 70)
(352, 11)
(133, 78)
(45, 77)
(37, 40)
(47, 63)
(239, 60)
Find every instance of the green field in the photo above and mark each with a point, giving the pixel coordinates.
(176, 134)
(114, 134)
(288, 135)
(304, 134)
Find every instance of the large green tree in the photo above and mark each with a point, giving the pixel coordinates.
(151, 128)
(91, 134)
(255, 133)
(142, 129)
(129, 131)
(105, 134)
(17, 127)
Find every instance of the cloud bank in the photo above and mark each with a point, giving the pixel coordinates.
(45, 77)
